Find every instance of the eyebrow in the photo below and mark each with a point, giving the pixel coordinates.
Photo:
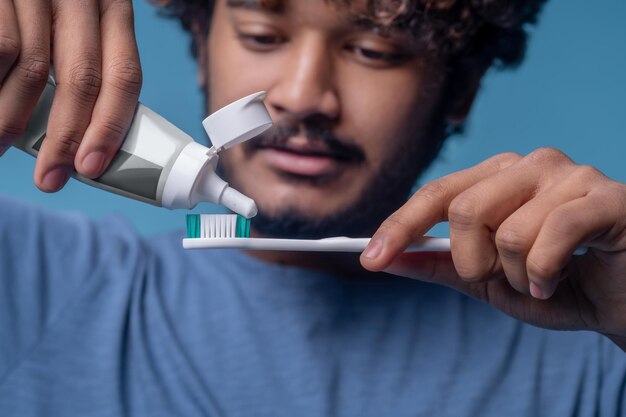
(274, 6)
(363, 23)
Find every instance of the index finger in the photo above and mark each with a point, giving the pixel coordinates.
(427, 207)
(121, 83)
(76, 56)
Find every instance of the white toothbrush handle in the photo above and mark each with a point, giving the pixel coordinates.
(333, 244)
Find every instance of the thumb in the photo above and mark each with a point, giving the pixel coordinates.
(437, 268)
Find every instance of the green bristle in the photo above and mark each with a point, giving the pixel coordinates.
(243, 227)
(193, 226)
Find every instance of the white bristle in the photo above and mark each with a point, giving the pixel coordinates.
(218, 225)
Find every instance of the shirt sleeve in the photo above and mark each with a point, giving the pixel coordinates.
(613, 390)
(45, 257)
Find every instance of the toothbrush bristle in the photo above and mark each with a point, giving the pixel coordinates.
(193, 226)
(243, 226)
(217, 226)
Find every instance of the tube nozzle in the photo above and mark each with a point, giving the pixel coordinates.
(239, 203)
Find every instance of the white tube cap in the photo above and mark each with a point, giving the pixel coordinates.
(238, 121)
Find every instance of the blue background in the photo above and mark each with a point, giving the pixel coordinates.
(570, 94)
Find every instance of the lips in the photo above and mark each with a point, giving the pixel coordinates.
(300, 164)
(303, 157)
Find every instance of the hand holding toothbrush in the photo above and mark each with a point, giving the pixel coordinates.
(92, 44)
(515, 222)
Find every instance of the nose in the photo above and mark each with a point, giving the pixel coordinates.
(306, 84)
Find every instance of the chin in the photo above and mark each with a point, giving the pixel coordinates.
(315, 218)
(304, 197)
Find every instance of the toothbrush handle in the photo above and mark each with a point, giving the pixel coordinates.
(424, 244)
(333, 244)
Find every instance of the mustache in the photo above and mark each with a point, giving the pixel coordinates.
(279, 134)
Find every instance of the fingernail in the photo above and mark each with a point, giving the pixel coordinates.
(542, 292)
(535, 291)
(93, 163)
(55, 179)
(374, 249)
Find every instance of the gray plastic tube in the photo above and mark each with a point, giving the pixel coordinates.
(140, 169)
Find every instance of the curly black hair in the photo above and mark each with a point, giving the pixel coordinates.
(484, 31)
(467, 36)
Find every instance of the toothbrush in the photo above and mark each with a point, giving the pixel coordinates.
(231, 231)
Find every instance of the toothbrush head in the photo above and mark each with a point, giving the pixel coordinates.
(217, 226)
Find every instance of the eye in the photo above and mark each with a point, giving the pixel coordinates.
(377, 57)
(261, 42)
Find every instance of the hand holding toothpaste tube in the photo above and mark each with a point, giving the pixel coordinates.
(98, 76)
(93, 126)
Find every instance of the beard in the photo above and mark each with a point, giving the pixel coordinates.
(387, 190)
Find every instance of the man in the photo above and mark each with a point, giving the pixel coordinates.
(96, 321)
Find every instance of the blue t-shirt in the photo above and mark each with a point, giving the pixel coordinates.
(97, 321)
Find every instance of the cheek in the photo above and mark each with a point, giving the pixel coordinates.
(386, 115)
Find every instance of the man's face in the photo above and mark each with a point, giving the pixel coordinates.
(352, 108)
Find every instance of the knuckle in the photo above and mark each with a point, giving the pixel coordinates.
(463, 211)
(9, 48)
(560, 223)
(85, 79)
(9, 133)
(123, 6)
(547, 155)
(66, 143)
(112, 128)
(126, 76)
(434, 195)
(511, 242)
(587, 174)
(396, 221)
(540, 268)
(32, 68)
(506, 159)
(434, 191)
